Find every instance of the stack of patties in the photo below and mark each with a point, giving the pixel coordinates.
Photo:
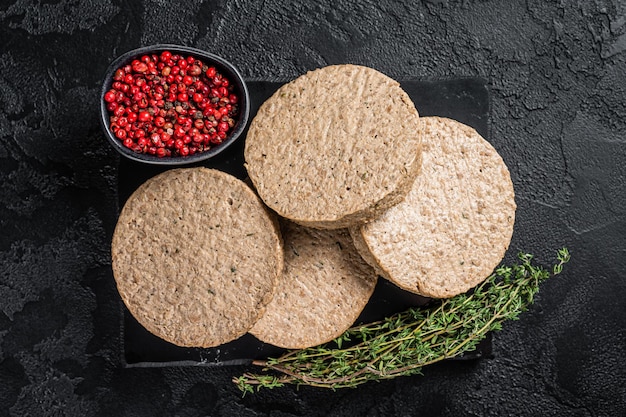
(342, 147)
(332, 149)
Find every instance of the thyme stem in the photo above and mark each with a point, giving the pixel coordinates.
(404, 343)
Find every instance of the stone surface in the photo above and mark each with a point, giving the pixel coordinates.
(557, 74)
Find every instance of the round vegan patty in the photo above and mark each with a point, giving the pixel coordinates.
(334, 147)
(456, 223)
(196, 256)
(324, 287)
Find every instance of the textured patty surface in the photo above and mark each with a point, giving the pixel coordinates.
(456, 223)
(196, 256)
(324, 288)
(334, 147)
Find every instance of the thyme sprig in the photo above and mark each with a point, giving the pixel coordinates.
(403, 343)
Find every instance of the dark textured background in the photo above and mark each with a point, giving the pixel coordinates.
(557, 72)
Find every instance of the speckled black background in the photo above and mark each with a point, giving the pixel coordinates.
(557, 75)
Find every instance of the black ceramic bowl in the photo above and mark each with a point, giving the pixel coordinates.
(222, 66)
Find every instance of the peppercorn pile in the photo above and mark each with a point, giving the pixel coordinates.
(171, 105)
